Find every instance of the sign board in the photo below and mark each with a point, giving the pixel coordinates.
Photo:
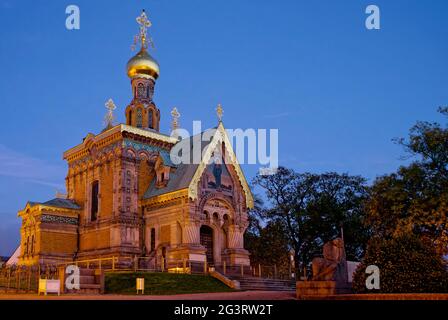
(49, 286)
(141, 285)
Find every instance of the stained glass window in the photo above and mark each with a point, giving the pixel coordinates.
(139, 118)
(141, 92)
(150, 119)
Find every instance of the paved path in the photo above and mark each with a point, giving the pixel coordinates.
(241, 295)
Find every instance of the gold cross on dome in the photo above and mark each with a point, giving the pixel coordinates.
(219, 112)
(144, 23)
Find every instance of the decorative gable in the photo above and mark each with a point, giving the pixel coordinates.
(220, 138)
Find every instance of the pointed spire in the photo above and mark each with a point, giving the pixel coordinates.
(175, 122)
(109, 118)
(219, 112)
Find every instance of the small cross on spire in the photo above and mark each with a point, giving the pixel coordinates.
(109, 118)
(175, 122)
(142, 36)
(219, 112)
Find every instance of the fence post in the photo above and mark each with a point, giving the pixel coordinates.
(29, 279)
(113, 263)
(18, 280)
(163, 264)
(259, 270)
(9, 279)
(205, 267)
(242, 270)
(224, 267)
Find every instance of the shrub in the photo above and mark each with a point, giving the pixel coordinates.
(406, 264)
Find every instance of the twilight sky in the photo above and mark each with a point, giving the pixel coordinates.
(337, 92)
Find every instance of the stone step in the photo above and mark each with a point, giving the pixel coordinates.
(86, 272)
(86, 289)
(252, 277)
(263, 284)
(86, 280)
(261, 288)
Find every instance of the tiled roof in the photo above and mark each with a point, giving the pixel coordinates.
(183, 174)
(58, 203)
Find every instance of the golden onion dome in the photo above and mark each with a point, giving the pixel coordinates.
(142, 64)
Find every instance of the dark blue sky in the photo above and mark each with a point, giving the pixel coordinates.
(337, 92)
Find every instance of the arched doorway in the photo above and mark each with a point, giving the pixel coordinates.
(206, 235)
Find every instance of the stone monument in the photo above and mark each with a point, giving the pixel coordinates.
(330, 273)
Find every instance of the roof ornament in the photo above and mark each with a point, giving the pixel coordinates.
(142, 36)
(175, 122)
(219, 112)
(109, 118)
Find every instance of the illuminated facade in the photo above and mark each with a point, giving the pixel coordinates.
(126, 197)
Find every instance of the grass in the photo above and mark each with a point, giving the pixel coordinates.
(163, 283)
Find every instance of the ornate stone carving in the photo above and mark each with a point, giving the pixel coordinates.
(58, 219)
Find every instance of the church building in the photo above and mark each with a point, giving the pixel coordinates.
(126, 196)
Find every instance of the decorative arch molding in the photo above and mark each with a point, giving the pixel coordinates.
(216, 196)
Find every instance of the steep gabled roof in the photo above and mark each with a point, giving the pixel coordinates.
(188, 175)
(183, 173)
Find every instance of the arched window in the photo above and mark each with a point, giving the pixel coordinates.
(139, 118)
(32, 244)
(150, 119)
(94, 201)
(130, 118)
(141, 92)
(153, 239)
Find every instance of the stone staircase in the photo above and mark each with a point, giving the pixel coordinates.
(89, 283)
(263, 284)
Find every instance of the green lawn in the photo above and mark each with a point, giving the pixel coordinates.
(163, 283)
